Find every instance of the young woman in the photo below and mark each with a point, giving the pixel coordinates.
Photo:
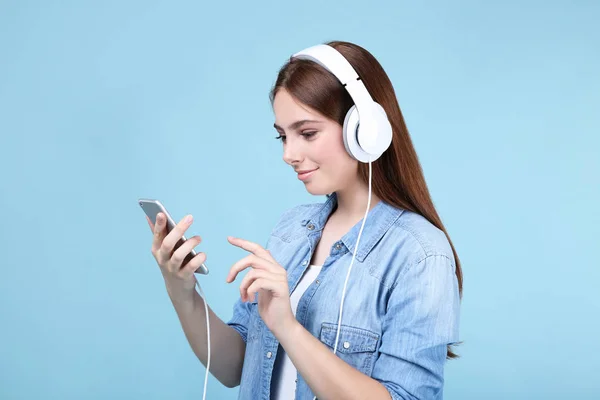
(402, 297)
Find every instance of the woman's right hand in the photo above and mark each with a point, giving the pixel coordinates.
(179, 279)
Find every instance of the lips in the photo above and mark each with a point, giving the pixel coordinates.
(305, 174)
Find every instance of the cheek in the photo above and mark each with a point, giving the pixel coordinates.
(333, 157)
(331, 148)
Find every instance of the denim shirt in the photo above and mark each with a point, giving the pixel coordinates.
(401, 307)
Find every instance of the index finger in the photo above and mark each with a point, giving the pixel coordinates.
(254, 248)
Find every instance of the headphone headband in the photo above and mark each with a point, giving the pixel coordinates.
(332, 60)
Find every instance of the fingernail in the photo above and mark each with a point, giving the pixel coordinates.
(188, 218)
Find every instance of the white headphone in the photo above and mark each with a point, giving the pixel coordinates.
(367, 131)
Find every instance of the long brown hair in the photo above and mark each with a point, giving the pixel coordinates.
(397, 175)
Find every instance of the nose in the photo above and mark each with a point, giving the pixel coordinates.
(292, 153)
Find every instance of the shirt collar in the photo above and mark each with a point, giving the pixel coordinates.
(379, 220)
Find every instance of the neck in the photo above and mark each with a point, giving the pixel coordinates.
(352, 202)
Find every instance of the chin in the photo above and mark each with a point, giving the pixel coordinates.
(318, 190)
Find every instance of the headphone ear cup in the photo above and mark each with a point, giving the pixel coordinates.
(375, 132)
(350, 135)
(376, 122)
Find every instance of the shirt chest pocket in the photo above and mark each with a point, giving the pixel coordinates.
(356, 346)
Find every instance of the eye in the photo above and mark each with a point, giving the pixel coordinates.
(309, 134)
(306, 134)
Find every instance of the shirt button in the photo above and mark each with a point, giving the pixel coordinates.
(317, 281)
(346, 345)
(310, 227)
(304, 262)
(269, 354)
(338, 246)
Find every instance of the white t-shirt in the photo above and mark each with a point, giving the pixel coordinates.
(284, 372)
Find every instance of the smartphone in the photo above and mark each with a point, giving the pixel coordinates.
(152, 207)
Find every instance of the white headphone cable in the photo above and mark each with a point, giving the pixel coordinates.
(207, 335)
(337, 336)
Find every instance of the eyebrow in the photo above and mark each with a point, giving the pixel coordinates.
(296, 124)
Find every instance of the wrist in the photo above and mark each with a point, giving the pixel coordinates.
(288, 330)
(179, 295)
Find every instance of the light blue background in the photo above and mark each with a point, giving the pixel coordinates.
(105, 102)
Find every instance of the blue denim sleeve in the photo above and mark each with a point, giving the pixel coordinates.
(240, 318)
(421, 320)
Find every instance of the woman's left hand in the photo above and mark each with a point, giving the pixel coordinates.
(269, 280)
